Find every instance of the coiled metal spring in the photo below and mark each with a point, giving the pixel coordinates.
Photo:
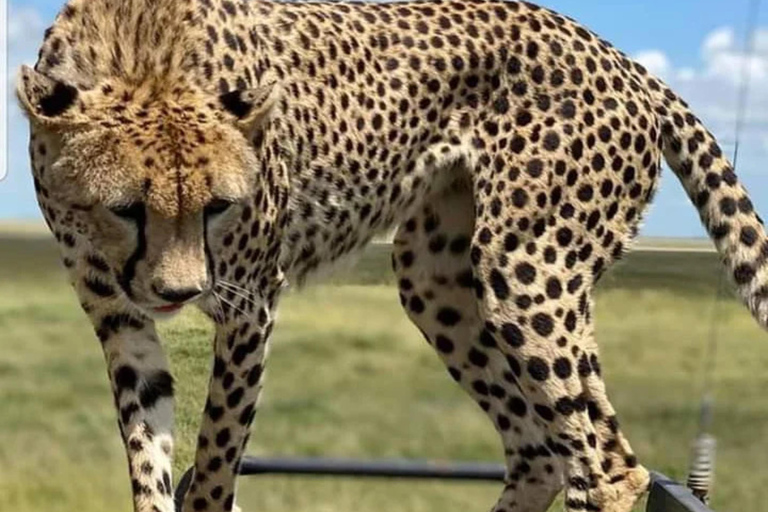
(702, 471)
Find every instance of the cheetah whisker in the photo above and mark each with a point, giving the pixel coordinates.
(230, 304)
(235, 287)
(219, 315)
(240, 294)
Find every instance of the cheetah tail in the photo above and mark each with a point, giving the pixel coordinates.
(723, 204)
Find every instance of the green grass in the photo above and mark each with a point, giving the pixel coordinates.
(349, 376)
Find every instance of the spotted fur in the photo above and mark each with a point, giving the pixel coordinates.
(200, 151)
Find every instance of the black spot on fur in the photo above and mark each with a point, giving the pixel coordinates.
(98, 287)
(157, 385)
(61, 98)
(234, 104)
(233, 399)
(125, 378)
(544, 412)
(127, 412)
(743, 274)
(222, 438)
(538, 369)
(517, 406)
(513, 335)
(111, 324)
(499, 285)
(448, 316)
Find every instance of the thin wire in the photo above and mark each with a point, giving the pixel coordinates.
(746, 74)
(743, 95)
(701, 470)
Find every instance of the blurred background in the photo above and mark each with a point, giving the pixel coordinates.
(349, 376)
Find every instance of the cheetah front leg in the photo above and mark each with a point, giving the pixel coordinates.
(140, 380)
(240, 348)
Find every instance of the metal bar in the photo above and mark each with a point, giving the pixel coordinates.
(665, 496)
(669, 496)
(395, 468)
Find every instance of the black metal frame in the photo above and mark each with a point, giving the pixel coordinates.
(665, 495)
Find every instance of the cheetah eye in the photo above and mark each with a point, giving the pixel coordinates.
(217, 207)
(130, 212)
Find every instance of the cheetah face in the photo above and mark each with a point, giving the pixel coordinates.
(157, 177)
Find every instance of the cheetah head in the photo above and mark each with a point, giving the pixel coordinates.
(156, 172)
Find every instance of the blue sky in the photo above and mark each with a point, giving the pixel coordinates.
(696, 45)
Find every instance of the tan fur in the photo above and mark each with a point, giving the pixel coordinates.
(200, 151)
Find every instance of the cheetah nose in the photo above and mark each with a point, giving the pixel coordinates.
(176, 296)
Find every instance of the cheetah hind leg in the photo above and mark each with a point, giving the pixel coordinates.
(432, 261)
(537, 320)
(626, 478)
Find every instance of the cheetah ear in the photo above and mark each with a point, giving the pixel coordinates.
(251, 107)
(46, 101)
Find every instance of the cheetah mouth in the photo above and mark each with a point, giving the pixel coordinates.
(171, 308)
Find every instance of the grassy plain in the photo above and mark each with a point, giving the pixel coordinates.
(349, 376)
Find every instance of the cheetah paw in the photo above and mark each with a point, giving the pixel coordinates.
(622, 496)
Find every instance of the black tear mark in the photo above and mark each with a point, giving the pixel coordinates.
(129, 270)
(234, 104)
(62, 97)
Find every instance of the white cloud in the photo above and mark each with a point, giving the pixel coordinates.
(654, 61)
(23, 22)
(25, 33)
(712, 87)
(718, 40)
(686, 74)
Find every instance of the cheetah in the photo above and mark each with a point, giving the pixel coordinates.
(209, 152)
